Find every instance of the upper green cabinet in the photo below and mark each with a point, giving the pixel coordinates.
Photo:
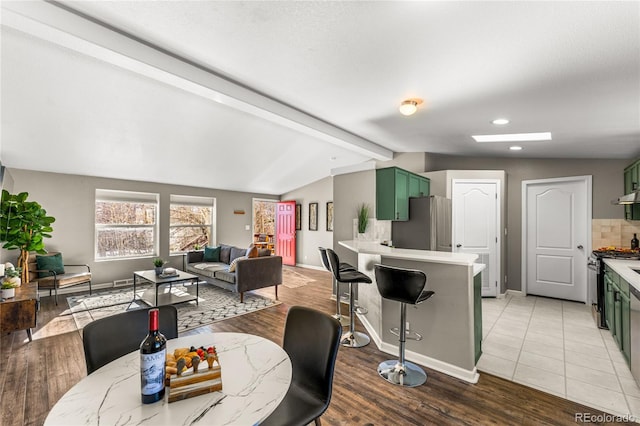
(394, 186)
(632, 183)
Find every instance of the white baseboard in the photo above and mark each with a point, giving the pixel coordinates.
(317, 268)
(517, 293)
(75, 289)
(470, 376)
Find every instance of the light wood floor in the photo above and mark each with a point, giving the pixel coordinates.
(33, 376)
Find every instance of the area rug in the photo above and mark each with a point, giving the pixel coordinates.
(293, 279)
(215, 304)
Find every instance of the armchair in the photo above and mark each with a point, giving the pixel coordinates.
(51, 273)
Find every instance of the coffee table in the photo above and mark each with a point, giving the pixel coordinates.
(170, 297)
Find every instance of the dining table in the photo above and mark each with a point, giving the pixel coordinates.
(256, 374)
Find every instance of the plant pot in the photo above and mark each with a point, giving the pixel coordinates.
(159, 270)
(8, 293)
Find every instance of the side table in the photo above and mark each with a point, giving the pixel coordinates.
(19, 312)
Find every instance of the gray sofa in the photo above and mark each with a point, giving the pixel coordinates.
(250, 274)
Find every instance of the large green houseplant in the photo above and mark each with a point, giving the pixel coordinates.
(23, 226)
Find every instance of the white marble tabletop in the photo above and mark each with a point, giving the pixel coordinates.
(625, 268)
(367, 247)
(256, 374)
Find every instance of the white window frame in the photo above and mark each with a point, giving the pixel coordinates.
(131, 197)
(190, 200)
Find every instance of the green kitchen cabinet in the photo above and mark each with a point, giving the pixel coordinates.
(632, 183)
(477, 314)
(608, 304)
(625, 326)
(394, 186)
(618, 309)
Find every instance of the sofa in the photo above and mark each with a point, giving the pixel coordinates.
(250, 273)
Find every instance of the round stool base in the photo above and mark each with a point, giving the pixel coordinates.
(411, 376)
(343, 319)
(355, 339)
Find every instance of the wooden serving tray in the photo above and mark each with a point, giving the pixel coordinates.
(188, 384)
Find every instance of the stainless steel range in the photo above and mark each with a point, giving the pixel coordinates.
(596, 266)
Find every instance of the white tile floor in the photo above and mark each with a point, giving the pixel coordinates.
(555, 346)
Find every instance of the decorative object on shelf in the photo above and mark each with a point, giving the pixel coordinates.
(298, 217)
(158, 263)
(238, 211)
(363, 218)
(23, 226)
(313, 216)
(329, 215)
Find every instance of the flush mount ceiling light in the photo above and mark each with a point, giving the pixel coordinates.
(500, 121)
(410, 106)
(514, 137)
(515, 148)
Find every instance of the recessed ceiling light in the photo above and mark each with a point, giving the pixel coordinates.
(500, 121)
(409, 106)
(514, 137)
(515, 148)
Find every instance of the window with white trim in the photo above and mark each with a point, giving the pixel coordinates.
(126, 224)
(191, 223)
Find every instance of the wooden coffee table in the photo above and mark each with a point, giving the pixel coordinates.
(169, 297)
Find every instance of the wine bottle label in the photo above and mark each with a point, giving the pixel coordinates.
(152, 371)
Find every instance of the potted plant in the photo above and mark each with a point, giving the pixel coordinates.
(23, 226)
(363, 218)
(158, 263)
(10, 282)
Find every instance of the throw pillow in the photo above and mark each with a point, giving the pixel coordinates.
(236, 252)
(252, 252)
(51, 262)
(264, 252)
(211, 254)
(234, 262)
(225, 253)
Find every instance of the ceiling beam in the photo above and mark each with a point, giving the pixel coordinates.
(62, 26)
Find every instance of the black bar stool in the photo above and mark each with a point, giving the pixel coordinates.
(353, 338)
(344, 320)
(407, 287)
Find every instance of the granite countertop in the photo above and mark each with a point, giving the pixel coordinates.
(625, 268)
(368, 247)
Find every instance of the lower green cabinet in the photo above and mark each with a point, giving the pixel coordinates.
(625, 329)
(477, 314)
(618, 309)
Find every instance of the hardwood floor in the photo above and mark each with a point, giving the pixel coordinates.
(35, 375)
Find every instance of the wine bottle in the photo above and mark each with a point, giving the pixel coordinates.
(152, 361)
(634, 242)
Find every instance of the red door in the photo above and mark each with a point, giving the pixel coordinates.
(286, 231)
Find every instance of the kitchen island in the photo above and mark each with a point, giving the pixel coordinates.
(450, 321)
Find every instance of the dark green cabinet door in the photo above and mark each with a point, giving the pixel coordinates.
(608, 304)
(392, 194)
(477, 314)
(402, 195)
(632, 183)
(625, 326)
(617, 318)
(425, 186)
(414, 185)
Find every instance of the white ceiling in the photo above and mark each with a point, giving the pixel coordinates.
(316, 85)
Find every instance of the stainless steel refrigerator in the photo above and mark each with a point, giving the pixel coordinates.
(428, 227)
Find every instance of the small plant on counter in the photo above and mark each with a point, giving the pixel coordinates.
(363, 217)
(158, 263)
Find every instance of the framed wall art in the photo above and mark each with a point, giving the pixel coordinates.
(313, 216)
(330, 216)
(298, 220)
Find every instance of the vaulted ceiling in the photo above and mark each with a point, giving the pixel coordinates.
(270, 96)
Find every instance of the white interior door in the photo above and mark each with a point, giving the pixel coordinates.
(476, 224)
(555, 234)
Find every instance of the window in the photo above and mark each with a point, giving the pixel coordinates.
(191, 223)
(264, 216)
(126, 224)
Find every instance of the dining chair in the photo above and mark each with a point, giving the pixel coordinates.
(109, 338)
(311, 339)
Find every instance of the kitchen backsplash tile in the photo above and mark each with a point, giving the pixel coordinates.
(613, 232)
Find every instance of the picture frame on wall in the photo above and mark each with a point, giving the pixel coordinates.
(298, 220)
(329, 215)
(313, 216)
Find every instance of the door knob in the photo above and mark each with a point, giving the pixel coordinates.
(458, 245)
(580, 246)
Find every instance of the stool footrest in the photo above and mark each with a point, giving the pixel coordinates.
(408, 334)
(361, 311)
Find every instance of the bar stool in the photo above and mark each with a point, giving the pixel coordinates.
(407, 287)
(344, 320)
(353, 338)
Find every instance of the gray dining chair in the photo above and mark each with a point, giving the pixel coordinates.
(109, 338)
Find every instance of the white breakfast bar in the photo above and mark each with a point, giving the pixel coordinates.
(450, 321)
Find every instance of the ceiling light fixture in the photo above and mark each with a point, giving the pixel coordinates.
(409, 106)
(514, 137)
(515, 148)
(500, 121)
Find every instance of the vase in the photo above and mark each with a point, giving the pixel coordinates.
(8, 293)
(159, 270)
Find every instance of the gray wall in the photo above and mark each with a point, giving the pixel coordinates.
(71, 200)
(607, 185)
(307, 242)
